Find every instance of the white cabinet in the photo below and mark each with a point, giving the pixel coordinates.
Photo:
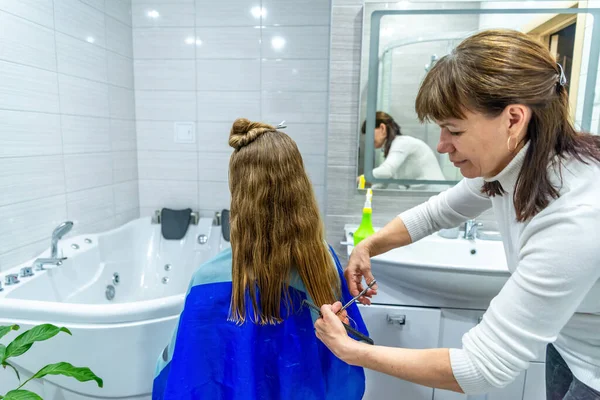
(419, 330)
(423, 328)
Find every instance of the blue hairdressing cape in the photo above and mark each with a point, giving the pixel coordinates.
(212, 358)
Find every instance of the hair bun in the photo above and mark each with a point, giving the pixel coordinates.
(245, 131)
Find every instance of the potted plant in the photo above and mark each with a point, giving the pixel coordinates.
(22, 344)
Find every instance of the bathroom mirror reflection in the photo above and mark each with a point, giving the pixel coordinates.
(404, 151)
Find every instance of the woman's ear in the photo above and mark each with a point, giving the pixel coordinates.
(383, 127)
(518, 119)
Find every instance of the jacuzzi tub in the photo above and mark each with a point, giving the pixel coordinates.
(120, 337)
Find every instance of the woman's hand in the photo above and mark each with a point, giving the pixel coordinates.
(331, 332)
(359, 266)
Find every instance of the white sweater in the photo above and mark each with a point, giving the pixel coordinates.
(552, 294)
(409, 158)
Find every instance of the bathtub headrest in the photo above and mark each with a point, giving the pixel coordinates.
(225, 224)
(174, 223)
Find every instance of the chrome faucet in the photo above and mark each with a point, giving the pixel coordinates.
(57, 234)
(54, 260)
(40, 262)
(471, 229)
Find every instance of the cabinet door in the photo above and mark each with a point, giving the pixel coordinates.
(535, 382)
(413, 328)
(454, 324)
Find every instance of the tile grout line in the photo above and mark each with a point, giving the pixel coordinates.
(135, 122)
(60, 117)
(55, 31)
(110, 125)
(260, 53)
(132, 88)
(83, 78)
(67, 115)
(67, 193)
(198, 200)
(328, 123)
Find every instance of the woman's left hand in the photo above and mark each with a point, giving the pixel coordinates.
(331, 332)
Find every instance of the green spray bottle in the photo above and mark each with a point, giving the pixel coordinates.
(365, 229)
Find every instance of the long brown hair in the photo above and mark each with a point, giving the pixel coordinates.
(493, 69)
(275, 225)
(392, 129)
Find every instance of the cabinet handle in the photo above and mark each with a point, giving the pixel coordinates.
(396, 319)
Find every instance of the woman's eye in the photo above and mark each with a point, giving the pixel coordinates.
(455, 133)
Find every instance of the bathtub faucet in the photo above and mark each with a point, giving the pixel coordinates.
(58, 233)
(40, 262)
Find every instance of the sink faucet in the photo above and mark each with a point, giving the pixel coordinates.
(57, 234)
(471, 229)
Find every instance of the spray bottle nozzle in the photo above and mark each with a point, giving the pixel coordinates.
(369, 197)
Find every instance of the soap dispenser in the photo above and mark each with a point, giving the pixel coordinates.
(365, 229)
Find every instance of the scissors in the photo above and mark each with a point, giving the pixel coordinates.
(348, 304)
(349, 329)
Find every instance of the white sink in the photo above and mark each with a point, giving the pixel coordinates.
(458, 269)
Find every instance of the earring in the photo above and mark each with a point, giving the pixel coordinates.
(509, 147)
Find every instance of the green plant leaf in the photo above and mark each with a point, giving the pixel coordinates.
(82, 374)
(21, 395)
(5, 364)
(24, 341)
(5, 329)
(2, 351)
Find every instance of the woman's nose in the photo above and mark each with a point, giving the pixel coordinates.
(445, 143)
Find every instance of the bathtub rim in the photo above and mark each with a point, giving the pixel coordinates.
(88, 313)
(136, 311)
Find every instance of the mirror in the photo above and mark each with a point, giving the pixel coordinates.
(403, 40)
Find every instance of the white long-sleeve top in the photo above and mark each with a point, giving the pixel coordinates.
(553, 294)
(409, 158)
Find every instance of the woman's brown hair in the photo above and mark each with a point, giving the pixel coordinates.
(496, 68)
(392, 129)
(275, 225)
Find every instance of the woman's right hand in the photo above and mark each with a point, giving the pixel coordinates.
(359, 267)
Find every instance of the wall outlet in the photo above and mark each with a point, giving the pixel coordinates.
(185, 132)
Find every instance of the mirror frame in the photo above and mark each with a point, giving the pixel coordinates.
(373, 73)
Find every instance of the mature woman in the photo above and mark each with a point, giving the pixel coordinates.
(501, 102)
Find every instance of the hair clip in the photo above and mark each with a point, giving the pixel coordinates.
(281, 125)
(563, 79)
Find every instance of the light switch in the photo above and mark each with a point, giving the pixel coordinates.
(185, 132)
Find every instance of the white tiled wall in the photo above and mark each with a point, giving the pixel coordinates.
(210, 63)
(67, 136)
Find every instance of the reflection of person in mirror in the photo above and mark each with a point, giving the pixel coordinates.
(501, 101)
(405, 157)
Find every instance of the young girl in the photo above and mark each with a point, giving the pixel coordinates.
(244, 333)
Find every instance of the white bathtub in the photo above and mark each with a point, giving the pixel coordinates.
(119, 339)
